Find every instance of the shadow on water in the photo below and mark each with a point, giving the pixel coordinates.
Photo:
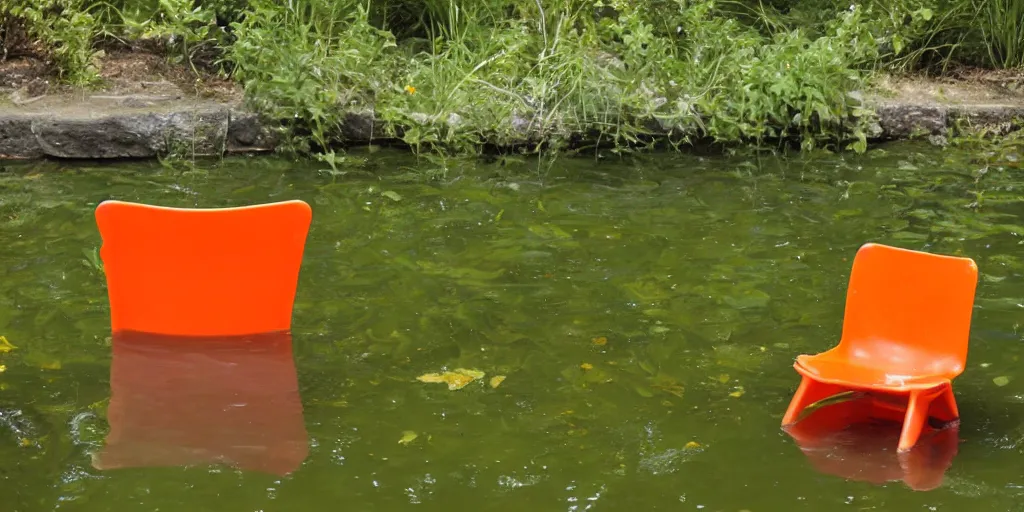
(185, 401)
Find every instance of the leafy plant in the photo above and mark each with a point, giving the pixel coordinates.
(68, 27)
(305, 62)
(187, 30)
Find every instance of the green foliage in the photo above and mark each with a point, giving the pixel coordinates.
(187, 31)
(528, 72)
(71, 30)
(68, 27)
(1002, 26)
(304, 62)
(753, 88)
(455, 75)
(541, 80)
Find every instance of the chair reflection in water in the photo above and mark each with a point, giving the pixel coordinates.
(201, 303)
(856, 440)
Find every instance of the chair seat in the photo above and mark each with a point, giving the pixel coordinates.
(830, 369)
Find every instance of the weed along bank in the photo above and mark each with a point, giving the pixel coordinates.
(445, 76)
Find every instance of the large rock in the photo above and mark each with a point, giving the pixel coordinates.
(904, 120)
(16, 138)
(247, 132)
(998, 118)
(133, 135)
(901, 120)
(362, 126)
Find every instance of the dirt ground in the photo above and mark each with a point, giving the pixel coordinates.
(962, 87)
(128, 79)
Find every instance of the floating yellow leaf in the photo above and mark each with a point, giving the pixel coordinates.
(26, 441)
(457, 379)
(407, 437)
(476, 374)
(587, 366)
(431, 378)
(738, 393)
(454, 380)
(723, 378)
(5, 346)
(497, 380)
(600, 341)
(1001, 381)
(3, 368)
(692, 444)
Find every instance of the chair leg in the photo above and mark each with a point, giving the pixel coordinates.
(810, 391)
(944, 407)
(913, 422)
(925, 466)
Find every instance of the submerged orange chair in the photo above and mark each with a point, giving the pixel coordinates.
(202, 272)
(183, 401)
(853, 440)
(905, 333)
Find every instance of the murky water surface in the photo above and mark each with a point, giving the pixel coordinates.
(645, 316)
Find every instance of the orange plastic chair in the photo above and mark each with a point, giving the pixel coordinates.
(905, 334)
(202, 272)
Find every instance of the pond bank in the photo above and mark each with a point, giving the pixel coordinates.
(163, 119)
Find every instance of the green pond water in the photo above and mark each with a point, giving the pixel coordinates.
(645, 314)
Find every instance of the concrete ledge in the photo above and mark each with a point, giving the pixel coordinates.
(216, 129)
(901, 120)
(203, 131)
(17, 139)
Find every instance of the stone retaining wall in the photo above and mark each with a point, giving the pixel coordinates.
(215, 130)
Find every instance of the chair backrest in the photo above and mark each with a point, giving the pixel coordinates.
(202, 272)
(909, 308)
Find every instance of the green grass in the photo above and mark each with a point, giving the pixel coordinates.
(534, 74)
(1002, 25)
